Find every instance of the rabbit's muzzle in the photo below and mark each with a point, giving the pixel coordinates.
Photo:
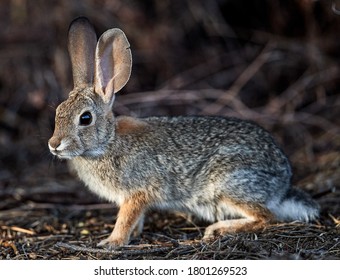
(59, 147)
(53, 144)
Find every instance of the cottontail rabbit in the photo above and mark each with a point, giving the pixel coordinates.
(223, 170)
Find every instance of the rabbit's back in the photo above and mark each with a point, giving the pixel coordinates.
(219, 155)
(192, 141)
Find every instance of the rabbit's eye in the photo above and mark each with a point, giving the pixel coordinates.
(85, 118)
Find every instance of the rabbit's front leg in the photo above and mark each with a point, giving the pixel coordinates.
(130, 215)
(139, 226)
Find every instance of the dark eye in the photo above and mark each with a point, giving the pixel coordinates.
(85, 118)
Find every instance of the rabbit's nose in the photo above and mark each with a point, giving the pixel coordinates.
(54, 143)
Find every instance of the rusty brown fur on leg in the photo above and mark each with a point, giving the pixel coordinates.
(128, 216)
(254, 217)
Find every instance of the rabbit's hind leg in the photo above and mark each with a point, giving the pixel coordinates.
(253, 218)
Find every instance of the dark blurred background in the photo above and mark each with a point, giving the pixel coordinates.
(275, 62)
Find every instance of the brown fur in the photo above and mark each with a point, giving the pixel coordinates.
(128, 125)
(130, 212)
(81, 45)
(255, 217)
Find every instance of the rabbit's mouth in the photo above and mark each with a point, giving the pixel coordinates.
(63, 154)
(60, 149)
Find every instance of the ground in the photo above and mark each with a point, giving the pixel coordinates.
(274, 63)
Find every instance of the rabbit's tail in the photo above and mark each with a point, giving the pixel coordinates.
(296, 206)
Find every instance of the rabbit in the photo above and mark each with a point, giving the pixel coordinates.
(226, 171)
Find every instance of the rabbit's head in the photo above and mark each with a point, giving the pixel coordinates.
(84, 123)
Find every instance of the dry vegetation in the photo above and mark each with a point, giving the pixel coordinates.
(275, 62)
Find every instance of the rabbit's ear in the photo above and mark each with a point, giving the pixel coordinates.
(82, 40)
(113, 64)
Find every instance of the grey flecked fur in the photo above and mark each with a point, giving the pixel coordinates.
(212, 167)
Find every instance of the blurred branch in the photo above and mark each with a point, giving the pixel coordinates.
(305, 82)
(334, 8)
(240, 82)
(264, 115)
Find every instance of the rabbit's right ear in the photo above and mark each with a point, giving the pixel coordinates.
(82, 40)
(112, 64)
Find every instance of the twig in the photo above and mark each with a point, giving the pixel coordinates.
(76, 207)
(335, 220)
(240, 82)
(201, 71)
(19, 229)
(306, 81)
(131, 250)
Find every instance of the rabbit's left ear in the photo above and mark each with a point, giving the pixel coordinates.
(113, 62)
(82, 40)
